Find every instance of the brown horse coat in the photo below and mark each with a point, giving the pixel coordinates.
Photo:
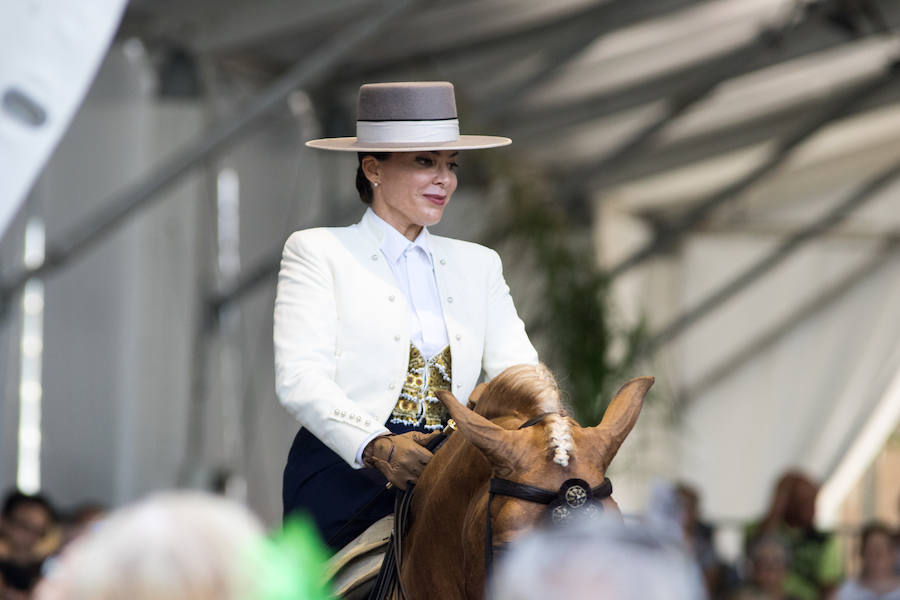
(443, 554)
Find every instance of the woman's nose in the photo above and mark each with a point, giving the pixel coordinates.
(443, 174)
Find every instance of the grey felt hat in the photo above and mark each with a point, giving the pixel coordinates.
(408, 116)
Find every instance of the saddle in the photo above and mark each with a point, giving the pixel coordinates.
(352, 571)
(367, 567)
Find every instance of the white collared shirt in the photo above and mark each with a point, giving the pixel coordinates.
(413, 267)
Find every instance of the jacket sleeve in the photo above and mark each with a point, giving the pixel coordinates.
(305, 336)
(505, 341)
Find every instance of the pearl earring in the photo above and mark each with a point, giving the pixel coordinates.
(375, 183)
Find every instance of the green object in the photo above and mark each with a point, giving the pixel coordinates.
(815, 559)
(290, 565)
(576, 321)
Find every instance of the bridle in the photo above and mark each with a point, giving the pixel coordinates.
(575, 496)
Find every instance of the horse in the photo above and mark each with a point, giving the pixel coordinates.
(519, 434)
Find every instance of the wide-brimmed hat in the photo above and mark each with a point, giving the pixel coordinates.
(407, 117)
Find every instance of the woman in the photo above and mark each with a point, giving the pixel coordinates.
(878, 580)
(371, 320)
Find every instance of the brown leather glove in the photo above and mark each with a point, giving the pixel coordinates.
(401, 458)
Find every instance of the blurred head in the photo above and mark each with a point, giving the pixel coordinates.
(24, 522)
(177, 546)
(602, 559)
(878, 550)
(798, 494)
(408, 189)
(769, 562)
(690, 504)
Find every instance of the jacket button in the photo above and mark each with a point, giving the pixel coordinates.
(337, 412)
(458, 337)
(392, 298)
(374, 257)
(343, 413)
(396, 338)
(458, 385)
(391, 386)
(443, 262)
(450, 299)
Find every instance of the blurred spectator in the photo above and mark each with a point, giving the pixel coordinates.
(698, 540)
(173, 546)
(25, 523)
(188, 546)
(27, 526)
(877, 579)
(815, 557)
(768, 571)
(602, 559)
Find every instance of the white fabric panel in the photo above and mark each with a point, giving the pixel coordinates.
(49, 53)
(804, 401)
(120, 320)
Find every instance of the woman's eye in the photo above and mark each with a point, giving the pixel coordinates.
(454, 166)
(424, 161)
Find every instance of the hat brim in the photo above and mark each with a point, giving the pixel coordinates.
(465, 142)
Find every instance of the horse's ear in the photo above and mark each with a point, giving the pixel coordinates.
(491, 439)
(620, 417)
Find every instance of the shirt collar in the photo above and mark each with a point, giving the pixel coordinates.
(393, 243)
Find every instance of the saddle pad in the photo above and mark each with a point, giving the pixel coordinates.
(376, 536)
(358, 573)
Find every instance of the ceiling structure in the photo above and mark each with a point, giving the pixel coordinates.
(599, 93)
(669, 109)
(674, 111)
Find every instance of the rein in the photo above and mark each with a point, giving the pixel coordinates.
(574, 495)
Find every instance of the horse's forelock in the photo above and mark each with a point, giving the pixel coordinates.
(531, 389)
(525, 388)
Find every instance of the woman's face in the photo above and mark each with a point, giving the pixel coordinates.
(413, 188)
(879, 555)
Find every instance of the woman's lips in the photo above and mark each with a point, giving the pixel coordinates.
(437, 199)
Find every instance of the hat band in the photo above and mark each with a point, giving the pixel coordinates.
(407, 132)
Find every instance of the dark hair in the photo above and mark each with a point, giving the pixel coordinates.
(363, 186)
(873, 528)
(15, 499)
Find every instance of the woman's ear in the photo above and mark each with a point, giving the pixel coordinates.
(371, 167)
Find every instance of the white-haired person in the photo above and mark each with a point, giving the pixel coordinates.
(601, 558)
(371, 320)
(172, 546)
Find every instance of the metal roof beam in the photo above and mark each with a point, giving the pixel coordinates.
(784, 250)
(604, 17)
(814, 34)
(749, 133)
(219, 135)
(886, 254)
(669, 235)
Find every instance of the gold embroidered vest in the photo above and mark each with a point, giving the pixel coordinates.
(417, 404)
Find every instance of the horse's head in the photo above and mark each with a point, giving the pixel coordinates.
(552, 451)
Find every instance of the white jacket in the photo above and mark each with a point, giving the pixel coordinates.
(341, 328)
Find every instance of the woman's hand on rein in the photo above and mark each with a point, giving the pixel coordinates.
(401, 458)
